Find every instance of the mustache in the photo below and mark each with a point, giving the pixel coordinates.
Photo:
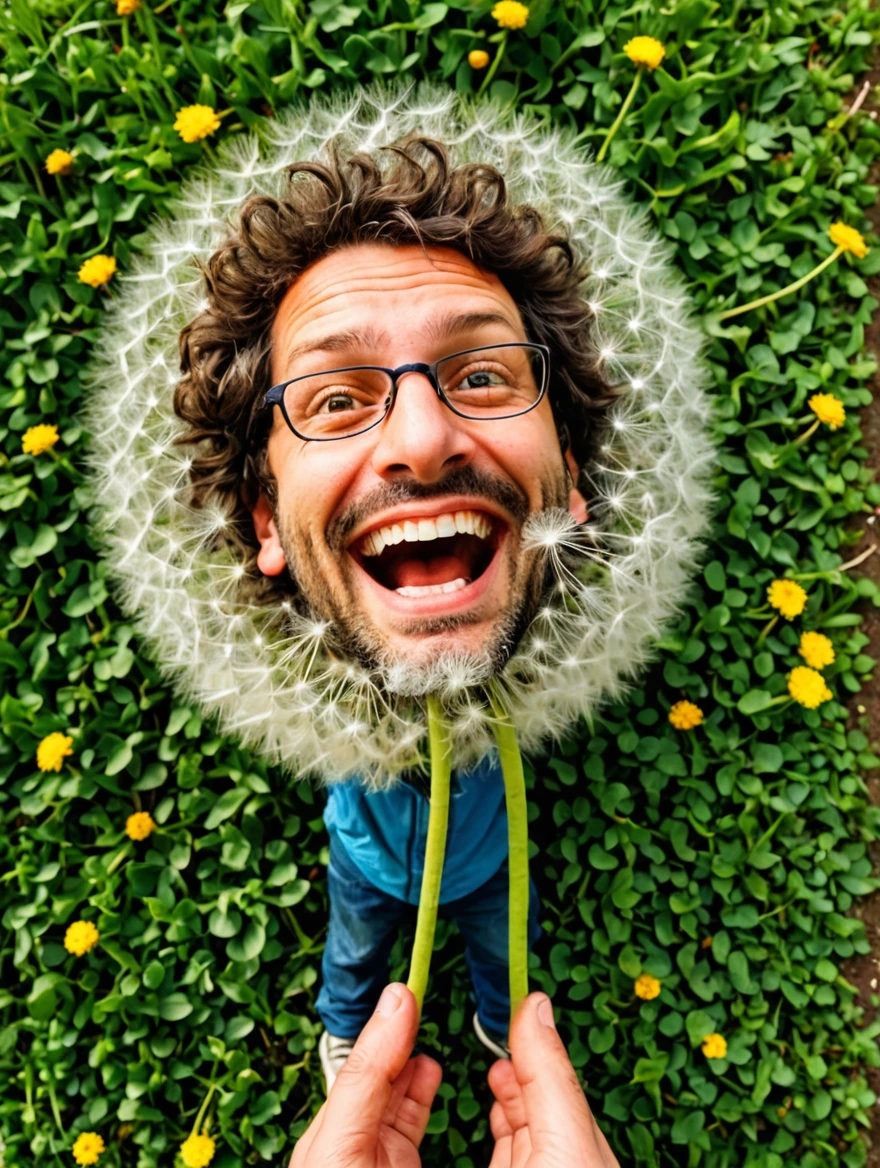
(460, 481)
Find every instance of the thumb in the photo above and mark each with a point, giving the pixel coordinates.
(556, 1109)
(363, 1087)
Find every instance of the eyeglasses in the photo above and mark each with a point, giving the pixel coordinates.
(484, 384)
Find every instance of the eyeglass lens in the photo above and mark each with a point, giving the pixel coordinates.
(495, 382)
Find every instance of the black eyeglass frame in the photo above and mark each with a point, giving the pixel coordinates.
(275, 395)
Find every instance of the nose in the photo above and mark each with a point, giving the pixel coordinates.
(420, 436)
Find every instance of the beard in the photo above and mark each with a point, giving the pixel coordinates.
(436, 659)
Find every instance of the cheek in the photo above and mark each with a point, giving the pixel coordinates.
(531, 458)
(313, 482)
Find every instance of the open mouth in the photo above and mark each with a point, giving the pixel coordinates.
(429, 557)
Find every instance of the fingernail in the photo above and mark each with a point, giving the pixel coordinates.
(389, 1002)
(545, 1013)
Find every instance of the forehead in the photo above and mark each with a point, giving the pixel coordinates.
(405, 290)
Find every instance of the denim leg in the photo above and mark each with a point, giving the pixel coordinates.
(481, 917)
(363, 927)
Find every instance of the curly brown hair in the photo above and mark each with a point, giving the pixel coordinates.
(408, 193)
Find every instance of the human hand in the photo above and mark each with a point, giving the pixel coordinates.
(378, 1108)
(541, 1118)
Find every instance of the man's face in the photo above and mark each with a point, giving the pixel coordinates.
(458, 582)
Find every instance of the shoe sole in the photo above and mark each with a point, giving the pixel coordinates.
(490, 1044)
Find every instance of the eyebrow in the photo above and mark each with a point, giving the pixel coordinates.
(448, 324)
(366, 338)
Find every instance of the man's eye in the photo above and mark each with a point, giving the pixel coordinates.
(339, 402)
(482, 379)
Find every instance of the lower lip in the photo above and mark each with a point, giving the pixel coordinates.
(441, 603)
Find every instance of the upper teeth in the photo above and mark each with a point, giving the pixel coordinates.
(415, 530)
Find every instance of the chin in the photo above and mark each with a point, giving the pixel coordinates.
(447, 667)
(446, 655)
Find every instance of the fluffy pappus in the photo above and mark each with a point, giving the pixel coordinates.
(270, 676)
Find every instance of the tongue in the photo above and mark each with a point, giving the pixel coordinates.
(407, 573)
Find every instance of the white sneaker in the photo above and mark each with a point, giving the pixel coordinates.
(333, 1052)
(497, 1048)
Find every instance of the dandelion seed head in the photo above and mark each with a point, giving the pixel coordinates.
(271, 678)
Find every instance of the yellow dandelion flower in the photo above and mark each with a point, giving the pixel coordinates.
(510, 14)
(685, 715)
(808, 687)
(788, 597)
(126, 7)
(848, 238)
(478, 58)
(97, 270)
(53, 750)
(817, 650)
(139, 825)
(80, 937)
(197, 1151)
(196, 121)
(828, 409)
(39, 439)
(59, 162)
(714, 1046)
(645, 50)
(88, 1147)
(646, 987)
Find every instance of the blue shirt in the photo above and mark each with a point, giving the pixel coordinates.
(384, 832)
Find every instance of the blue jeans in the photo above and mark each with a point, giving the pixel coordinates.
(363, 927)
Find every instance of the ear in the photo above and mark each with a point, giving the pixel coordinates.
(577, 504)
(270, 558)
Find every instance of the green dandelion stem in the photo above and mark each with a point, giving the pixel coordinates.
(54, 1103)
(198, 1124)
(779, 908)
(768, 834)
(759, 303)
(767, 629)
(435, 850)
(21, 616)
(518, 849)
(117, 860)
(493, 68)
(624, 110)
(806, 434)
(832, 573)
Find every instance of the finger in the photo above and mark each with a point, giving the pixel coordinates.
(413, 1095)
(507, 1119)
(555, 1106)
(504, 1085)
(609, 1160)
(502, 1152)
(363, 1087)
(503, 1136)
(306, 1140)
(513, 1149)
(499, 1124)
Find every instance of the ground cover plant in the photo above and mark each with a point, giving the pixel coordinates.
(698, 847)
